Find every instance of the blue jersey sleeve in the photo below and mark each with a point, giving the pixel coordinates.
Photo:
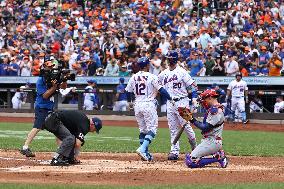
(204, 127)
(40, 86)
(165, 93)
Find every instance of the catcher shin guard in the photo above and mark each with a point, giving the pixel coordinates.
(147, 140)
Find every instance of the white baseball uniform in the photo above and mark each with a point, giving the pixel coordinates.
(238, 89)
(145, 86)
(278, 107)
(89, 98)
(19, 98)
(177, 82)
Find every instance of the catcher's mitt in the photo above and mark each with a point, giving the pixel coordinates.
(185, 113)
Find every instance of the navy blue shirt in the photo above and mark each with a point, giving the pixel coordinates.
(40, 102)
(4, 70)
(122, 93)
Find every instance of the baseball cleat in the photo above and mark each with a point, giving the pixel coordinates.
(73, 161)
(224, 162)
(150, 156)
(173, 157)
(59, 162)
(27, 153)
(245, 121)
(143, 155)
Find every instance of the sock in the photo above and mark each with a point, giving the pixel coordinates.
(147, 140)
(141, 138)
(25, 147)
(206, 161)
(244, 116)
(233, 116)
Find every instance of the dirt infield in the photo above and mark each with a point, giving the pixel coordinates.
(128, 169)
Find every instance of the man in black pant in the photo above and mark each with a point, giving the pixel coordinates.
(70, 127)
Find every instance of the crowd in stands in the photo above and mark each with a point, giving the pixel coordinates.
(104, 37)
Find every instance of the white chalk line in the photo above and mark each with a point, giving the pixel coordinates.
(49, 136)
(42, 162)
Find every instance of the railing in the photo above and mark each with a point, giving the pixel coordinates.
(107, 100)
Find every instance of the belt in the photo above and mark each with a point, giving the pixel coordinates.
(217, 138)
(178, 99)
(238, 97)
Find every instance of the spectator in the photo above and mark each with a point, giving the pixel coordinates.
(204, 38)
(92, 35)
(13, 68)
(274, 65)
(264, 71)
(209, 64)
(4, 71)
(112, 68)
(218, 68)
(123, 71)
(243, 71)
(263, 57)
(254, 70)
(164, 45)
(279, 105)
(155, 66)
(26, 67)
(231, 66)
(195, 65)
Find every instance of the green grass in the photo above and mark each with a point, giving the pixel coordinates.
(125, 139)
(231, 186)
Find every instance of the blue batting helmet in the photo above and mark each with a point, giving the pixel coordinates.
(143, 62)
(172, 57)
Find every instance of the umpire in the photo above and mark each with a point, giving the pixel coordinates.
(70, 127)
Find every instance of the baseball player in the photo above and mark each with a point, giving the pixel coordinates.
(279, 105)
(177, 82)
(20, 97)
(90, 97)
(212, 128)
(70, 127)
(121, 103)
(238, 91)
(145, 87)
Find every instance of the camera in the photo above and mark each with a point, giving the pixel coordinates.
(58, 74)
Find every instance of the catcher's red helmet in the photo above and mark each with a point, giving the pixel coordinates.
(205, 94)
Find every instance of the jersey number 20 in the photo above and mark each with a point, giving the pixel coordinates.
(140, 88)
(176, 85)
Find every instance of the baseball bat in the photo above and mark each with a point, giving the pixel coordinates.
(179, 134)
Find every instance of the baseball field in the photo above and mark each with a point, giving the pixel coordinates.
(256, 155)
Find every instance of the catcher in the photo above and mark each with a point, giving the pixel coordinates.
(210, 149)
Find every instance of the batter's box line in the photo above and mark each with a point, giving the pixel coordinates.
(42, 162)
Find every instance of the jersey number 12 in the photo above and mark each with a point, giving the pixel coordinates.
(140, 88)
